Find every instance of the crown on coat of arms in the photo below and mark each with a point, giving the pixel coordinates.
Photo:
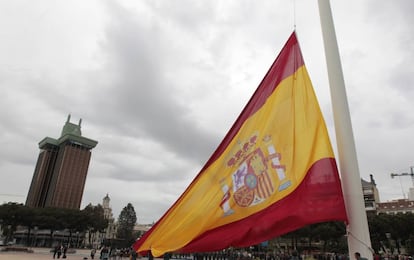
(245, 148)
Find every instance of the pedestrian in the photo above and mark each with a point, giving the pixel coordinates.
(104, 253)
(55, 250)
(59, 251)
(93, 252)
(167, 256)
(295, 256)
(359, 257)
(113, 253)
(133, 254)
(65, 249)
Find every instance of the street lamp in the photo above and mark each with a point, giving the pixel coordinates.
(388, 235)
(35, 235)
(8, 234)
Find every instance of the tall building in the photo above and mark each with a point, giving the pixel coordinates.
(61, 169)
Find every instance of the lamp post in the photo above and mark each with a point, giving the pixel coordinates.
(35, 235)
(8, 234)
(388, 235)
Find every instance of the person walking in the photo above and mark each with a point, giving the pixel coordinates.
(65, 249)
(59, 251)
(104, 253)
(55, 250)
(133, 254)
(93, 252)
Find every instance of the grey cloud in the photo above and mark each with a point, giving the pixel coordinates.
(142, 99)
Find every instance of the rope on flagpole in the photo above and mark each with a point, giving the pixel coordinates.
(349, 233)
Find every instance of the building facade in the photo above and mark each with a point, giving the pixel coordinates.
(396, 206)
(61, 169)
(371, 194)
(110, 231)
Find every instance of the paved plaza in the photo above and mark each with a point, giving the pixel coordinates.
(44, 253)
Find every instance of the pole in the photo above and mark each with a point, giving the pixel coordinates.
(357, 229)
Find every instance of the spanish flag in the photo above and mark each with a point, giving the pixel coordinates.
(274, 172)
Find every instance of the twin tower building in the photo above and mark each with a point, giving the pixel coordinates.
(61, 169)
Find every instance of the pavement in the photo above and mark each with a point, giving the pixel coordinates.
(44, 253)
(40, 253)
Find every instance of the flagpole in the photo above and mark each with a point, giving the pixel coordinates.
(357, 229)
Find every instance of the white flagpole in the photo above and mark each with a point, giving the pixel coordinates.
(357, 229)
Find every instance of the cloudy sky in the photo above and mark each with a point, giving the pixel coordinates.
(159, 83)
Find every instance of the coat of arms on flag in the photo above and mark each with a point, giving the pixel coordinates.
(258, 171)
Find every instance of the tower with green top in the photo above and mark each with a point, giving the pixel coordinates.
(61, 169)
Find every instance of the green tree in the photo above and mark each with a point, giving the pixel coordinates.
(11, 216)
(332, 234)
(95, 220)
(378, 227)
(74, 222)
(51, 218)
(126, 222)
(29, 217)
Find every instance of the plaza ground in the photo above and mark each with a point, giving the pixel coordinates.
(40, 254)
(44, 253)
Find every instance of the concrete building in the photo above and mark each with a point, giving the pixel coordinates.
(371, 194)
(396, 206)
(61, 169)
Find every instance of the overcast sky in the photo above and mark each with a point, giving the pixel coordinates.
(159, 83)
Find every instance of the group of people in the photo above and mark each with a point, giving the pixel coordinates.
(60, 250)
(107, 253)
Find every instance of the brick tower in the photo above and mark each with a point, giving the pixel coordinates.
(61, 169)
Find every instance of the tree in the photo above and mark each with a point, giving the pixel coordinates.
(11, 216)
(51, 218)
(126, 222)
(95, 220)
(332, 234)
